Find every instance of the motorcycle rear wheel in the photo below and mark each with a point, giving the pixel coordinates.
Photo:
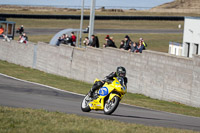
(111, 106)
(84, 105)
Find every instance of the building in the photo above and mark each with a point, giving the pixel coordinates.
(9, 29)
(175, 48)
(191, 37)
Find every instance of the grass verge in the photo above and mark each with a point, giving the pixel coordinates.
(17, 120)
(82, 87)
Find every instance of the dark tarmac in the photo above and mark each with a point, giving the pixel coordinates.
(16, 93)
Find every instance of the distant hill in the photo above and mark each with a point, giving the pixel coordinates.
(187, 6)
(181, 4)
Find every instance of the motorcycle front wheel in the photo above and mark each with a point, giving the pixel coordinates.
(85, 104)
(111, 106)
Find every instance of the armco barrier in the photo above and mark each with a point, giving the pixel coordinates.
(86, 17)
(157, 75)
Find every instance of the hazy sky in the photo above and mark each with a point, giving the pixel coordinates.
(99, 3)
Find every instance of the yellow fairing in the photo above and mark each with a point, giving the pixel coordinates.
(113, 89)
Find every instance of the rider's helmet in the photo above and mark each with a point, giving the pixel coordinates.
(121, 72)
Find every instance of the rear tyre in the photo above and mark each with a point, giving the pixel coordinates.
(85, 104)
(110, 106)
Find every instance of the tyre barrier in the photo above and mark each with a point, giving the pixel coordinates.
(87, 17)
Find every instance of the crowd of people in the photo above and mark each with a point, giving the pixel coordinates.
(66, 39)
(23, 38)
(126, 43)
(129, 45)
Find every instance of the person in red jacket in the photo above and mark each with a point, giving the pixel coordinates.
(73, 37)
(1, 30)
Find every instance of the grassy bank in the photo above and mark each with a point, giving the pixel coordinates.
(83, 88)
(16, 120)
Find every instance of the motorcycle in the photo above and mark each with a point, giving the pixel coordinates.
(107, 98)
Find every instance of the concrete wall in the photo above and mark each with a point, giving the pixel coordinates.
(158, 75)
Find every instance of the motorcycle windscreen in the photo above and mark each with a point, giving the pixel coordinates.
(121, 80)
(103, 91)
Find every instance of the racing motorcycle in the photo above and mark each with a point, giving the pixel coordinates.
(106, 98)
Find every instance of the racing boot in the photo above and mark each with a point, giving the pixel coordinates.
(95, 87)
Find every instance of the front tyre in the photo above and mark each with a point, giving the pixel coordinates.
(85, 104)
(111, 105)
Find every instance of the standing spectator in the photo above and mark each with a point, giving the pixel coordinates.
(144, 43)
(1, 30)
(127, 41)
(95, 41)
(86, 42)
(133, 46)
(140, 47)
(68, 40)
(73, 37)
(60, 40)
(23, 38)
(20, 30)
(109, 43)
(121, 44)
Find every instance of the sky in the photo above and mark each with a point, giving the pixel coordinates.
(99, 3)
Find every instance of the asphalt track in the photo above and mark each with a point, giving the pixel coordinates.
(17, 93)
(48, 31)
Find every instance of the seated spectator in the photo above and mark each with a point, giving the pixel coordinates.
(140, 47)
(109, 42)
(5, 38)
(121, 44)
(20, 30)
(133, 46)
(86, 42)
(95, 41)
(143, 43)
(126, 44)
(1, 30)
(23, 38)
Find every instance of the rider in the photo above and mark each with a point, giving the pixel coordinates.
(120, 72)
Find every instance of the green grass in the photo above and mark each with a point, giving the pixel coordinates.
(17, 120)
(82, 87)
(99, 24)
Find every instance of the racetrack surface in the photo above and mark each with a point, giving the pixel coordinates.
(36, 31)
(17, 93)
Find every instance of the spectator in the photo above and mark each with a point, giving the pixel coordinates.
(95, 41)
(67, 40)
(126, 44)
(86, 42)
(144, 43)
(121, 44)
(23, 38)
(5, 38)
(140, 47)
(20, 30)
(109, 42)
(1, 30)
(73, 37)
(133, 46)
(60, 40)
